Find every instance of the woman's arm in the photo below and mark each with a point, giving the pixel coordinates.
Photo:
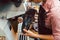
(41, 36)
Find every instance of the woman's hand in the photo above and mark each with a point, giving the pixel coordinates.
(29, 33)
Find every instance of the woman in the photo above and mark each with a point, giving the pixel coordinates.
(41, 37)
(53, 9)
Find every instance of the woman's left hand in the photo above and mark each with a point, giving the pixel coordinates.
(29, 33)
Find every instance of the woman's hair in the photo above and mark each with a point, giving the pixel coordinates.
(31, 12)
(28, 18)
(41, 24)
